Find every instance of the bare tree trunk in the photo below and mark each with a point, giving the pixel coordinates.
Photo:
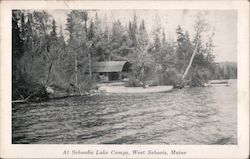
(85, 26)
(143, 66)
(48, 77)
(21, 100)
(142, 74)
(76, 69)
(191, 61)
(109, 54)
(90, 62)
(90, 65)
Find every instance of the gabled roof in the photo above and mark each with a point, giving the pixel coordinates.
(109, 66)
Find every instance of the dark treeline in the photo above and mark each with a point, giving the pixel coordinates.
(42, 56)
(224, 70)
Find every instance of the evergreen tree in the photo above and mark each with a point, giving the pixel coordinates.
(77, 44)
(17, 53)
(184, 50)
(53, 51)
(201, 64)
(156, 49)
(133, 31)
(118, 32)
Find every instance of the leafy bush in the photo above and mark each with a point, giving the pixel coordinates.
(22, 89)
(133, 82)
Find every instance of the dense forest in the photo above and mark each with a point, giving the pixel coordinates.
(41, 55)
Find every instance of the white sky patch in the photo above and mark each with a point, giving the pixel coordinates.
(223, 22)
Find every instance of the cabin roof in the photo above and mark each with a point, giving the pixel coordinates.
(109, 66)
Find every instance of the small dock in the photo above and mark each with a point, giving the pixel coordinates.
(123, 89)
(215, 83)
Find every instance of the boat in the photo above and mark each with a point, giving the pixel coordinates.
(214, 83)
(123, 89)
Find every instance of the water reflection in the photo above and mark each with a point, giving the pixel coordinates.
(188, 116)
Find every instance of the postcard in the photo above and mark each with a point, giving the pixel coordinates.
(124, 79)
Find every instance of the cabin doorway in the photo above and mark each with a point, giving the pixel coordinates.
(113, 76)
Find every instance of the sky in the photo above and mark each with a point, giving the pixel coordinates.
(222, 22)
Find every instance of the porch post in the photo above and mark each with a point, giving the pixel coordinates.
(120, 75)
(108, 76)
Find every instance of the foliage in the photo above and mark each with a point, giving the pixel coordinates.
(41, 55)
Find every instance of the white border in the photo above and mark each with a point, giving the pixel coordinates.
(8, 150)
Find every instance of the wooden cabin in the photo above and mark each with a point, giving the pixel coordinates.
(111, 70)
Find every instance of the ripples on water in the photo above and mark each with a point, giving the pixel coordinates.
(188, 116)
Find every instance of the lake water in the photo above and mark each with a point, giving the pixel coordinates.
(189, 116)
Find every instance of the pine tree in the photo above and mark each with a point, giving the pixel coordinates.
(53, 52)
(198, 61)
(17, 53)
(16, 38)
(156, 46)
(77, 43)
